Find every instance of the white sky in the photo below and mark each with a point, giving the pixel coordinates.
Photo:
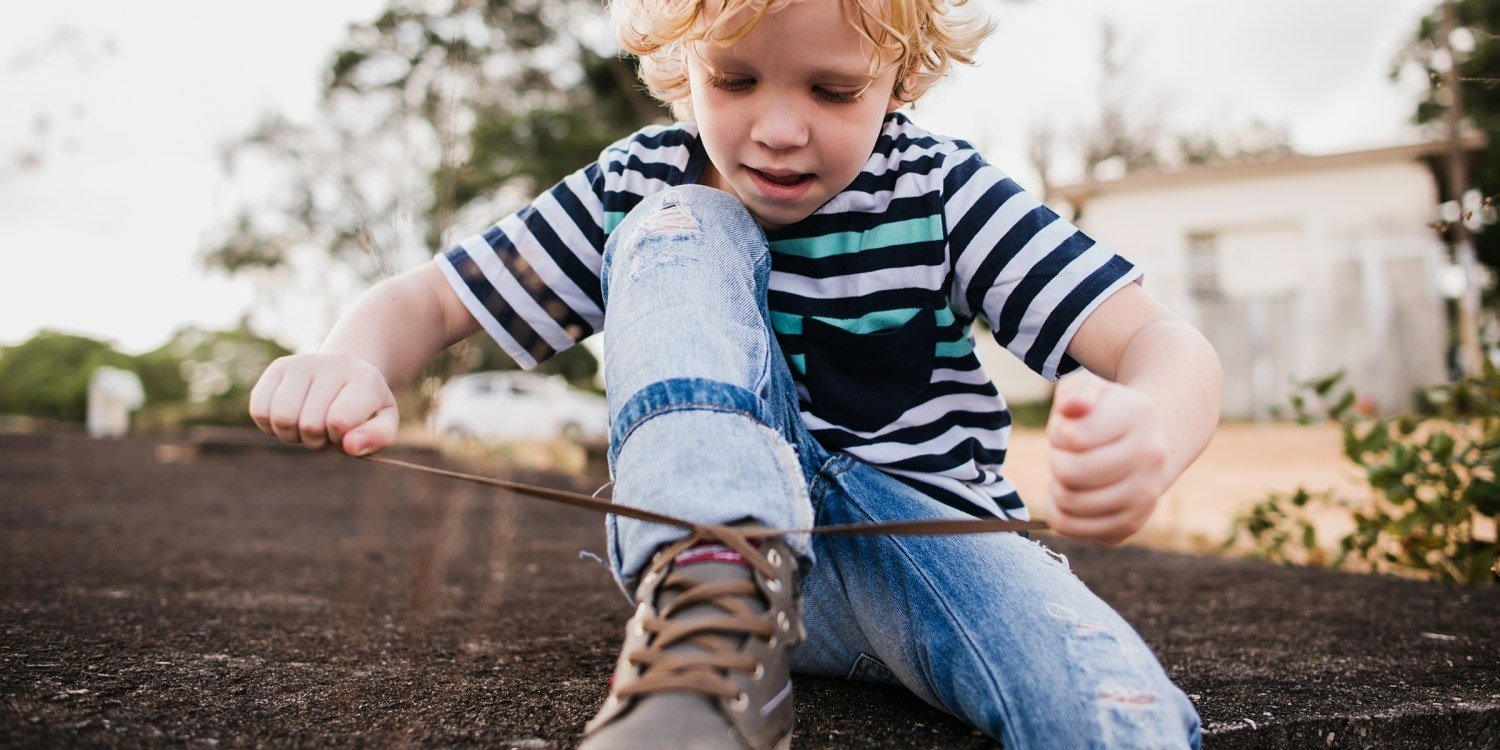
(126, 104)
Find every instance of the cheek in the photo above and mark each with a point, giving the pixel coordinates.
(856, 137)
(713, 115)
(717, 131)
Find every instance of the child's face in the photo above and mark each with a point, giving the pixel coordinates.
(789, 114)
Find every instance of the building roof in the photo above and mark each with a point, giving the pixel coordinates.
(1435, 150)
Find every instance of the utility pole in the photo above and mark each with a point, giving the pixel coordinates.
(1470, 355)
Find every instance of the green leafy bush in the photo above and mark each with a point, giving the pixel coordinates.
(197, 377)
(48, 375)
(1433, 478)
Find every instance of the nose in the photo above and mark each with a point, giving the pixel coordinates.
(781, 127)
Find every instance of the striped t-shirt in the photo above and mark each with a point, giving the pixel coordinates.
(872, 297)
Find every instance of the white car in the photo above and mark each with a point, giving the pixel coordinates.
(512, 406)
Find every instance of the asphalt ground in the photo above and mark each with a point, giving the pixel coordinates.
(152, 596)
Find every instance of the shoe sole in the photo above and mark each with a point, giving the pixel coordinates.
(785, 743)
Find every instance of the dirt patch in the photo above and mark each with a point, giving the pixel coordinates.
(298, 599)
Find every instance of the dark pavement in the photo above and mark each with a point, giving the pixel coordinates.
(284, 598)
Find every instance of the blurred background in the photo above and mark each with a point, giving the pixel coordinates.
(188, 191)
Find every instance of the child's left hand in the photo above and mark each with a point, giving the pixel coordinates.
(1109, 459)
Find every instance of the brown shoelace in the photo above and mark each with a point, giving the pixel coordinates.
(720, 637)
(892, 528)
(704, 671)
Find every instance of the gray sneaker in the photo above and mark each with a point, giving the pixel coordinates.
(707, 658)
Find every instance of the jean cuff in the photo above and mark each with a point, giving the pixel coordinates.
(681, 394)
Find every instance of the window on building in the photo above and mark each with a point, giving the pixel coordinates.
(1203, 266)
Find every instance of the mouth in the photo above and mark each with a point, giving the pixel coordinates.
(780, 184)
(781, 177)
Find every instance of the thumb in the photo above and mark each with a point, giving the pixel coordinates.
(1076, 395)
(374, 435)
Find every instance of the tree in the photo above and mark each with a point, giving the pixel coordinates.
(1477, 73)
(428, 110)
(1129, 134)
(218, 369)
(197, 377)
(437, 117)
(47, 376)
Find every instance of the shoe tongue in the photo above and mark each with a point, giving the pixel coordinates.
(707, 563)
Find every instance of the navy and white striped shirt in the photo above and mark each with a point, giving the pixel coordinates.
(872, 297)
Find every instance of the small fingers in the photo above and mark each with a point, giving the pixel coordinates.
(352, 408)
(376, 434)
(1101, 501)
(286, 407)
(1096, 467)
(1113, 413)
(312, 425)
(261, 395)
(1076, 394)
(1117, 517)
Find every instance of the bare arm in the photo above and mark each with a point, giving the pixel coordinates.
(340, 396)
(1117, 446)
(400, 324)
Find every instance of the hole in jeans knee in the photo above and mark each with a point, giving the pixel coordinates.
(672, 227)
(670, 220)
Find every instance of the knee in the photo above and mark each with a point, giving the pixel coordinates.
(710, 219)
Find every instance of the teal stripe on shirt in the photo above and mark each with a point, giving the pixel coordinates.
(789, 324)
(921, 229)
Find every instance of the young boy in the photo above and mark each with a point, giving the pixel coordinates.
(789, 278)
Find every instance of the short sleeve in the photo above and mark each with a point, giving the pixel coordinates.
(1031, 275)
(532, 279)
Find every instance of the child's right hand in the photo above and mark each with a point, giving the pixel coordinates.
(326, 399)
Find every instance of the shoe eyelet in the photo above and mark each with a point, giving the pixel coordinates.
(740, 703)
(774, 558)
(774, 642)
(760, 671)
(773, 585)
(638, 623)
(783, 622)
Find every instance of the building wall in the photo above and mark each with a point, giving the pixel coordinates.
(1292, 275)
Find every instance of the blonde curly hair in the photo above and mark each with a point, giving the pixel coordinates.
(924, 37)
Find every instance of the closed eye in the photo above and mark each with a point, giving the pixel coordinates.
(729, 83)
(732, 83)
(841, 97)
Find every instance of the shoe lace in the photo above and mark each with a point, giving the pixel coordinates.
(719, 637)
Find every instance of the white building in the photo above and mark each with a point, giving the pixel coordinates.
(1293, 269)
(113, 395)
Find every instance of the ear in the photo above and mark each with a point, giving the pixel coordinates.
(895, 102)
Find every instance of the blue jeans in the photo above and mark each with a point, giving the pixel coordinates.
(992, 628)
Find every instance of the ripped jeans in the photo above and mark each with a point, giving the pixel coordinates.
(992, 628)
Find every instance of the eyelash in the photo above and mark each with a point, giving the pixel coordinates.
(725, 83)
